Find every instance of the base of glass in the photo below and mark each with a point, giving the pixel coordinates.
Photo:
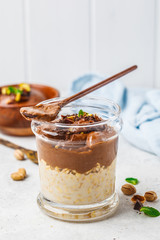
(79, 213)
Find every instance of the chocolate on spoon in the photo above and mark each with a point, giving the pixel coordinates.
(48, 112)
(42, 112)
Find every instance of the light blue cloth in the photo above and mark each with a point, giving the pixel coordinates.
(140, 110)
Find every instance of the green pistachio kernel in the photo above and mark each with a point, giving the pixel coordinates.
(25, 86)
(18, 97)
(4, 90)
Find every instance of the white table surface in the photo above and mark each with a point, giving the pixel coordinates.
(20, 217)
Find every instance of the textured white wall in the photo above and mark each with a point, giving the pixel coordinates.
(55, 41)
(125, 35)
(11, 41)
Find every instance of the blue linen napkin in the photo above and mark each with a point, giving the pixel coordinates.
(140, 110)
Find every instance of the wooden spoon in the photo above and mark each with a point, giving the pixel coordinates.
(48, 112)
(32, 155)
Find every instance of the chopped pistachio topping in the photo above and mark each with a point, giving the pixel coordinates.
(4, 90)
(24, 86)
(17, 91)
(18, 97)
(71, 117)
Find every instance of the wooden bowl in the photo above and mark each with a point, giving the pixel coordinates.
(11, 121)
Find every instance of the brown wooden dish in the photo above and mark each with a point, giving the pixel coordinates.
(11, 121)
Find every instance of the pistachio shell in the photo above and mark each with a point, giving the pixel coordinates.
(128, 189)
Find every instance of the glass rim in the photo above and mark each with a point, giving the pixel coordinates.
(116, 113)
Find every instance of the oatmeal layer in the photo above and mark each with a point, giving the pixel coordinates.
(67, 186)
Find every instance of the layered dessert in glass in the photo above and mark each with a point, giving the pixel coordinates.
(77, 159)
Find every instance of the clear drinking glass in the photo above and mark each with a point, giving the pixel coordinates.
(77, 176)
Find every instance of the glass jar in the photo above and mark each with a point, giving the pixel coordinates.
(77, 173)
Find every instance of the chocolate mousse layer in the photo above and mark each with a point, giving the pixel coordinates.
(79, 149)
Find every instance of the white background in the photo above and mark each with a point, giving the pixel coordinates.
(56, 41)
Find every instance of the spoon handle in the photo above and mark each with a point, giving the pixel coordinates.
(32, 155)
(9, 144)
(98, 85)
